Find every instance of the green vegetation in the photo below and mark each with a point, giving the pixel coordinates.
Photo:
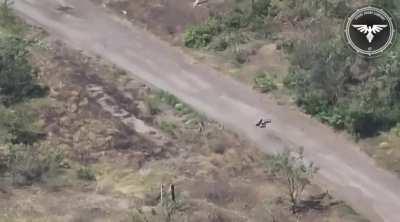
(9, 24)
(18, 126)
(251, 20)
(200, 36)
(168, 127)
(232, 29)
(27, 164)
(156, 102)
(296, 173)
(23, 159)
(264, 83)
(323, 78)
(86, 173)
(331, 83)
(17, 76)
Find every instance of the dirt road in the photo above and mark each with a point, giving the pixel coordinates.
(345, 170)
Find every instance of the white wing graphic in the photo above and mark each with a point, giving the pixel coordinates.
(370, 31)
(378, 28)
(361, 28)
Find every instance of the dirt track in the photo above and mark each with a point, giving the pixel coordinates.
(345, 171)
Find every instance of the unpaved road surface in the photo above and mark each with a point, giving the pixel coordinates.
(345, 170)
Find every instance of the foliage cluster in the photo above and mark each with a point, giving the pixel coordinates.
(251, 20)
(327, 83)
(22, 158)
(264, 83)
(295, 171)
(230, 29)
(27, 164)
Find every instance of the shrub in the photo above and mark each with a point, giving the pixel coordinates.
(86, 173)
(33, 163)
(7, 18)
(168, 127)
(235, 20)
(261, 7)
(153, 103)
(168, 98)
(219, 44)
(228, 29)
(296, 173)
(18, 126)
(17, 76)
(200, 36)
(264, 83)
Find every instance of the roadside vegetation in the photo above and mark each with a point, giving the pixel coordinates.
(24, 159)
(250, 21)
(325, 79)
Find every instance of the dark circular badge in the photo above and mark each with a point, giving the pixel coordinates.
(370, 31)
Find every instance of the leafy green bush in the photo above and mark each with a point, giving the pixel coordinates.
(222, 31)
(325, 86)
(168, 98)
(17, 76)
(264, 83)
(200, 36)
(86, 173)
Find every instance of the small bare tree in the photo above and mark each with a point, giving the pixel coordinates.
(295, 171)
(170, 204)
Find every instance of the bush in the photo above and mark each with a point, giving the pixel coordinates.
(219, 44)
(86, 173)
(8, 20)
(33, 163)
(201, 35)
(17, 76)
(222, 31)
(264, 83)
(18, 126)
(153, 103)
(363, 103)
(295, 171)
(168, 127)
(262, 7)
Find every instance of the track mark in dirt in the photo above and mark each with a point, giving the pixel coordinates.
(109, 104)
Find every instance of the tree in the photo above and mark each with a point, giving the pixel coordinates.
(170, 205)
(295, 171)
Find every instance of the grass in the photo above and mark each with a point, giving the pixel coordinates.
(9, 23)
(130, 182)
(264, 83)
(86, 173)
(162, 100)
(168, 127)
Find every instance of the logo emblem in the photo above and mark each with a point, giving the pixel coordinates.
(370, 31)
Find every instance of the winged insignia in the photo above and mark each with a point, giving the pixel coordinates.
(370, 30)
